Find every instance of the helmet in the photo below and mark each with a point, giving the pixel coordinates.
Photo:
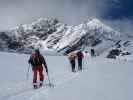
(37, 51)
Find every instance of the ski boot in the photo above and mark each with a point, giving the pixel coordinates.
(35, 86)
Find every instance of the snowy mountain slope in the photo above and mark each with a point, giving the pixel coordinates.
(87, 34)
(101, 79)
(24, 37)
(49, 33)
(122, 49)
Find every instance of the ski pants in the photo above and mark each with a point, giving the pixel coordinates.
(73, 65)
(37, 70)
(80, 63)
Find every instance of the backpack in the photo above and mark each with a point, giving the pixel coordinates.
(36, 59)
(80, 54)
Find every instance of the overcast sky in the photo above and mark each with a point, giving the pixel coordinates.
(115, 12)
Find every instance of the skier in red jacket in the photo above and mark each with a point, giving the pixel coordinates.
(37, 61)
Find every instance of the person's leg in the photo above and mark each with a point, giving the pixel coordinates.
(41, 75)
(73, 65)
(34, 71)
(79, 64)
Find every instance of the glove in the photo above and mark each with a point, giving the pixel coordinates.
(46, 70)
(29, 61)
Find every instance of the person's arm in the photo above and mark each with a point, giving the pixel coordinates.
(29, 61)
(45, 65)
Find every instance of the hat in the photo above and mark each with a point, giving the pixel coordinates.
(37, 51)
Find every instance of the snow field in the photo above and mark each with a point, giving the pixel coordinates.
(101, 79)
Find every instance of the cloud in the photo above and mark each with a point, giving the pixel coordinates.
(119, 15)
(17, 12)
(124, 25)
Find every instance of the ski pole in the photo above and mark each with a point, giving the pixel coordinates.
(50, 84)
(27, 74)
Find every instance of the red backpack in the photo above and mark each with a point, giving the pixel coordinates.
(36, 59)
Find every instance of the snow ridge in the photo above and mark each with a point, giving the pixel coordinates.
(50, 34)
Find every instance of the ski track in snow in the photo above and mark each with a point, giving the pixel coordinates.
(111, 72)
(13, 92)
(21, 92)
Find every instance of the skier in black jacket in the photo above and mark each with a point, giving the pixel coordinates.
(80, 58)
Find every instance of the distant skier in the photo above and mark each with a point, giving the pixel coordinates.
(86, 54)
(72, 57)
(37, 61)
(93, 53)
(80, 58)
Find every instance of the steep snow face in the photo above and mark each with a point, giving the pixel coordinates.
(89, 33)
(49, 33)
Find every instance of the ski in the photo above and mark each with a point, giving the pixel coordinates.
(44, 86)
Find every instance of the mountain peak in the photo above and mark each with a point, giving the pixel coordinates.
(46, 20)
(92, 20)
(49, 33)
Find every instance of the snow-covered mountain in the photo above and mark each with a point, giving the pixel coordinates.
(50, 34)
(24, 37)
